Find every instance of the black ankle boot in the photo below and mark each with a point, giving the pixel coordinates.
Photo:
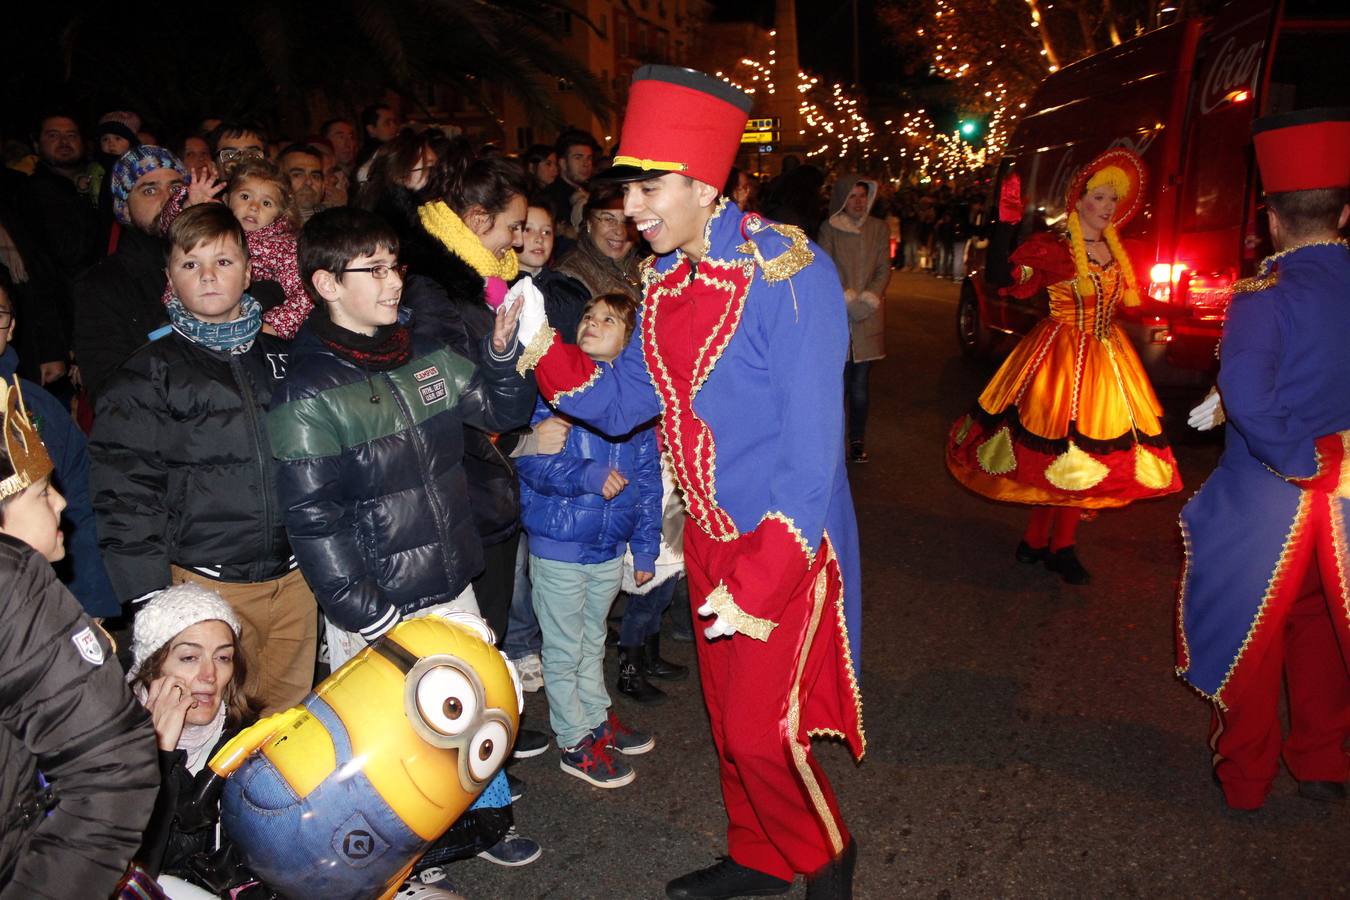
(1065, 562)
(653, 666)
(632, 682)
(834, 880)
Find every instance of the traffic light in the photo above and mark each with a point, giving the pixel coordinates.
(969, 128)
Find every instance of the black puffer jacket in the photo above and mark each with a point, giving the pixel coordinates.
(372, 473)
(66, 711)
(117, 306)
(181, 465)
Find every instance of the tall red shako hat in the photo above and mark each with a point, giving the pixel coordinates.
(679, 120)
(1303, 150)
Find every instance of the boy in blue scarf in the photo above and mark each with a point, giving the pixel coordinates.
(183, 476)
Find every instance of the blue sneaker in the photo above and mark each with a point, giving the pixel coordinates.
(590, 761)
(613, 733)
(512, 850)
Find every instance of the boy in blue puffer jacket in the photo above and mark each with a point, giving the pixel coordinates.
(581, 508)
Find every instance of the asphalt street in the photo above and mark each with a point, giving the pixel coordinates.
(1025, 738)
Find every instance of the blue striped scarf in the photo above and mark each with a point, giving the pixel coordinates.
(227, 337)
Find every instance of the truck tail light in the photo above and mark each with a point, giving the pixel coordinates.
(1163, 280)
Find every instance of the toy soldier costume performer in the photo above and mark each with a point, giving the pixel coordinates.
(1267, 564)
(741, 352)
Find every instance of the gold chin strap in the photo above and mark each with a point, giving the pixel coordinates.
(650, 164)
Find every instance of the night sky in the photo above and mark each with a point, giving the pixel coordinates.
(829, 48)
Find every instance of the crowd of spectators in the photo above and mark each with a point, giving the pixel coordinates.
(179, 302)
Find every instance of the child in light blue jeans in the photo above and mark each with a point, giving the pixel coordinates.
(582, 508)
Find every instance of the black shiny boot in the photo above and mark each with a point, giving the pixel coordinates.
(633, 682)
(724, 880)
(653, 666)
(834, 880)
(1065, 562)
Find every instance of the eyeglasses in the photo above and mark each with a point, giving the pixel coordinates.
(607, 218)
(5, 318)
(230, 154)
(381, 271)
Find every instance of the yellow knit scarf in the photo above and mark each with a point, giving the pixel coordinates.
(441, 223)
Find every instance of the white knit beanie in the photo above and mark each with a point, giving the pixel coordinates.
(172, 610)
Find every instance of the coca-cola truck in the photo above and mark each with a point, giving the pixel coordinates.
(1183, 97)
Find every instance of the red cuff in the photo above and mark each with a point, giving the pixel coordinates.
(770, 561)
(564, 369)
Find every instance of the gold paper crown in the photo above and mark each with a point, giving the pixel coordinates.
(27, 454)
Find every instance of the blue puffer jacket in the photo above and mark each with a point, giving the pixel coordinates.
(371, 474)
(564, 513)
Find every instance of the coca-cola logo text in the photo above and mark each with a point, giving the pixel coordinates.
(1232, 69)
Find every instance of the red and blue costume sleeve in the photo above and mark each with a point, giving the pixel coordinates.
(801, 326)
(612, 399)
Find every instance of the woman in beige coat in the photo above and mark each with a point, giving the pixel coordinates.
(859, 244)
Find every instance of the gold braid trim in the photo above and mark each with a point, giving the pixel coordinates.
(1181, 670)
(794, 531)
(1265, 278)
(581, 388)
(786, 264)
(1338, 543)
(831, 560)
(799, 748)
(725, 606)
(706, 249)
(535, 350)
(1276, 577)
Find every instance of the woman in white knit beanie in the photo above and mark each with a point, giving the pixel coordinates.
(188, 672)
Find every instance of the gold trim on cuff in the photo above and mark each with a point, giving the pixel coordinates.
(534, 350)
(725, 606)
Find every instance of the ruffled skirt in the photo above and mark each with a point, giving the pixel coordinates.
(1068, 420)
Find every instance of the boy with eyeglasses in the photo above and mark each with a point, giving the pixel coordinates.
(368, 432)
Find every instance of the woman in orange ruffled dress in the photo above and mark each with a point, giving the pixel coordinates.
(1070, 421)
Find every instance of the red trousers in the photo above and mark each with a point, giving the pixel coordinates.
(782, 817)
(1247, 739)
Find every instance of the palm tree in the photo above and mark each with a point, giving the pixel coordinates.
(270, 58)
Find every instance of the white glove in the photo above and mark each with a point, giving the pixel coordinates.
(532, 315)
(1209, 414)
(719, 627)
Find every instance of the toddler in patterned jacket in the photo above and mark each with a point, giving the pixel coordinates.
(260, 197)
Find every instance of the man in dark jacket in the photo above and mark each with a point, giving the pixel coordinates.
(118, 301)
(57, 198)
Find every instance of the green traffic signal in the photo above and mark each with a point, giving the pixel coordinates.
(969, 128)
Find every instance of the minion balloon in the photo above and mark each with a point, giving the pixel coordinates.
(338, 797)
